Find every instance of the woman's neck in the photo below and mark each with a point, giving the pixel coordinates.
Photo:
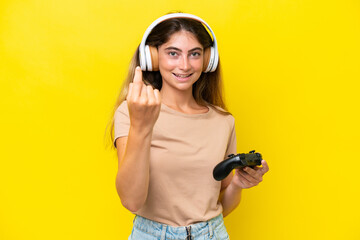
(182, 101)
(177, 98)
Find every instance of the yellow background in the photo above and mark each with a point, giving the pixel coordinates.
(291, 71)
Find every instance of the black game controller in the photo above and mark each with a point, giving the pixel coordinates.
(240, 160)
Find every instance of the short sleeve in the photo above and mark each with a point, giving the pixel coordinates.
(121, 121)
(231, 147)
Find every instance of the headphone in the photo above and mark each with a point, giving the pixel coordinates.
(148, 55)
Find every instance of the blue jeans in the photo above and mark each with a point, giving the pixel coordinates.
(145, 229)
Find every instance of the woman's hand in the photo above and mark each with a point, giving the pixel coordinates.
(144, 103)
(249, 177)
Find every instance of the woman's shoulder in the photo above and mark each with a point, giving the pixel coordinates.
(122, 108)
(123, 105)
(222, 113)
(220, 110)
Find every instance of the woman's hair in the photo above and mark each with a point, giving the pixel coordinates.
(207, 90)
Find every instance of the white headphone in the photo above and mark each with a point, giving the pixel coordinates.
(149, 56)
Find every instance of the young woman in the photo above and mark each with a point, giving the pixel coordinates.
(171, 128)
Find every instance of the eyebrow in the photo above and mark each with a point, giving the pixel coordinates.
(177, 49)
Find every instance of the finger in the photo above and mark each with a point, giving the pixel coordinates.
(150, 94)
(138, 75)
(246, 177)
(157, 96)
(144, 94)
(137, 84)
(242, 180)
(253, 174)
(128, 96)
(265, 167)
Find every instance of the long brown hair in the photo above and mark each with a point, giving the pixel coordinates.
(207, 90)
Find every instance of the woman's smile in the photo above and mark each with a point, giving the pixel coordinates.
(182, 77)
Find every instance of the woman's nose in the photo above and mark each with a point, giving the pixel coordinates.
(184, 63)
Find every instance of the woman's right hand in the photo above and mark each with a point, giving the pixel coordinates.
(144, 103)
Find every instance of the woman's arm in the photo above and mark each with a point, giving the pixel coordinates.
(132, 180)
(229, 196)
(232, 185)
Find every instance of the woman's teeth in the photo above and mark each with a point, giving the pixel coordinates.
(182, 75)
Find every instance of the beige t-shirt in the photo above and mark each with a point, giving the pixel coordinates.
(185, 148)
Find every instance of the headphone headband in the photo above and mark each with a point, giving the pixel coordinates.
(145, 60)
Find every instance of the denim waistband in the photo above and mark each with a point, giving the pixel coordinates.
(182, 232)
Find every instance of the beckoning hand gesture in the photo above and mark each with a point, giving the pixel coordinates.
(144, 103)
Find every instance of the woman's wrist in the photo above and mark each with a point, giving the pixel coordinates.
(235, 187)
(142, 131)
(231, 198)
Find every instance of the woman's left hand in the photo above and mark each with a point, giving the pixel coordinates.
(249, 177)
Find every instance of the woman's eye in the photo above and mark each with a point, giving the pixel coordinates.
(173, 54)
(195, 54)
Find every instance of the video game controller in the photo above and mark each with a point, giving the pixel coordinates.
(223, 169)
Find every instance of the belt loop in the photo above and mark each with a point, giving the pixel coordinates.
(210, 229)
(163, 232)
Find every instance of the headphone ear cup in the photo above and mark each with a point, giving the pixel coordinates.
(154, 55)
(142, 59)
(148, 58)
(207, 55)
(215, 61)
(211, 61)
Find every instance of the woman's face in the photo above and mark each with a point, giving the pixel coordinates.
(180, 61)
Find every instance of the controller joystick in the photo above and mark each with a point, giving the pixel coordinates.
(223, 169)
